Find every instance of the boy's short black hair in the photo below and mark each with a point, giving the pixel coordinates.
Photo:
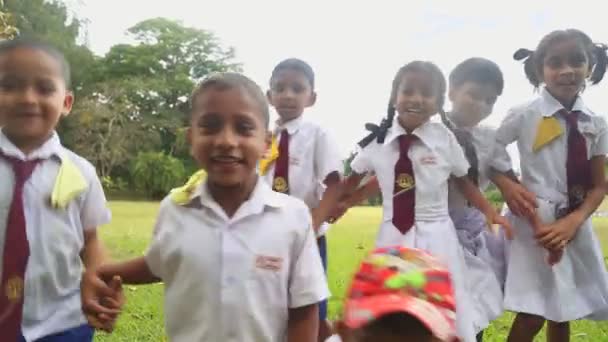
(32, 43)
(230, 80)
(477, 70)
(298, 65)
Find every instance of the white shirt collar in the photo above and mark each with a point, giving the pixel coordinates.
(51, 148)
(549, 105)
(261, 197)
(423, 132)
(292, 126)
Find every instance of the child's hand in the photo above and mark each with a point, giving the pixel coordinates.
(554, 255)
(555, 236)
(495, 218)
(101, 302)
(520, 200)
(339, 211)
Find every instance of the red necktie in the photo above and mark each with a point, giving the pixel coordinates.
(280, 181)
(16, 254)
(404, 193)
(578, 168)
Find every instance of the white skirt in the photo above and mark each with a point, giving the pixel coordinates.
(575, 288)
(484, 257)
(438, 238)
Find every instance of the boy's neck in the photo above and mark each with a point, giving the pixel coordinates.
(27, 146)
(286, 121)
(453, 115)
(230, 199)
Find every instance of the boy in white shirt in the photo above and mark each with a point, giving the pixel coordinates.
(239, 261)
(305, 161)
(51, 201)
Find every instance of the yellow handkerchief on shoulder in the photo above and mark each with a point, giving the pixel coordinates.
(69, 183)
(548, 130)
(271, 156)
(181, 195)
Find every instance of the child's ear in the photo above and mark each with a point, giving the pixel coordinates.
(68, 101)
(313, 99)
(269, 97)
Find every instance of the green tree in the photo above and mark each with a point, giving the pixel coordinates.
(166, 59)
(52, 22)
(7, 24)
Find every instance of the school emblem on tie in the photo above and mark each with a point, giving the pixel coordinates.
(405, 181)
(14, 288)
(577, 192)
(279, 184)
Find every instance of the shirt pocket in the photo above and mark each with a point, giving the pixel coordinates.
(267, 281)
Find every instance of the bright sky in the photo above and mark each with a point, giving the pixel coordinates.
(356, 47)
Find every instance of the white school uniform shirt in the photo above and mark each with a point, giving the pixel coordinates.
(483, 142)
(56, 237)
(313, 155)
(235, 279)
(435, 157)
(544, 172)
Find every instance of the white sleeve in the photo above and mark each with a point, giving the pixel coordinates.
(307, 281)
(362, 163)
(153, 255)
(507, 133)
(327, 156)
(94, 211)
(459, 163)
(599, 146)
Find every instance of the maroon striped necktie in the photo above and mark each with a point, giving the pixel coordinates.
(404, 191)
(578, 167)
(15, 255)
(280, 182)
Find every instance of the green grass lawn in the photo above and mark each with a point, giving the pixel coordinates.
(142, 320)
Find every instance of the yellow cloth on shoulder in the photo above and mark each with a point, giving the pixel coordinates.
(270, 157)
(69, 183)
(548, 130)
(181, 195)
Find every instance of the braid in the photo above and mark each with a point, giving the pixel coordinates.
(601, 62)
(528, 57)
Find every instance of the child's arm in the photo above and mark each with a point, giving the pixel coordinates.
(474, 196)
(560, 232)
(101, 290)
(93, 253)
(303, 324)
(329, 201)
(520, 200)
(369, 189)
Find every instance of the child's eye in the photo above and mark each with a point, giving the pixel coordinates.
(297, 88)
(245, 127)
(46, 88)
(554, 62)
(8, 84)
(577, 60)
(278, 88)
(209, 124)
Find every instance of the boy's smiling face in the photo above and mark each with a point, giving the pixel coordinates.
(227, 135)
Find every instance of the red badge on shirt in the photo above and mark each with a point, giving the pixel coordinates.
(270, 263)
